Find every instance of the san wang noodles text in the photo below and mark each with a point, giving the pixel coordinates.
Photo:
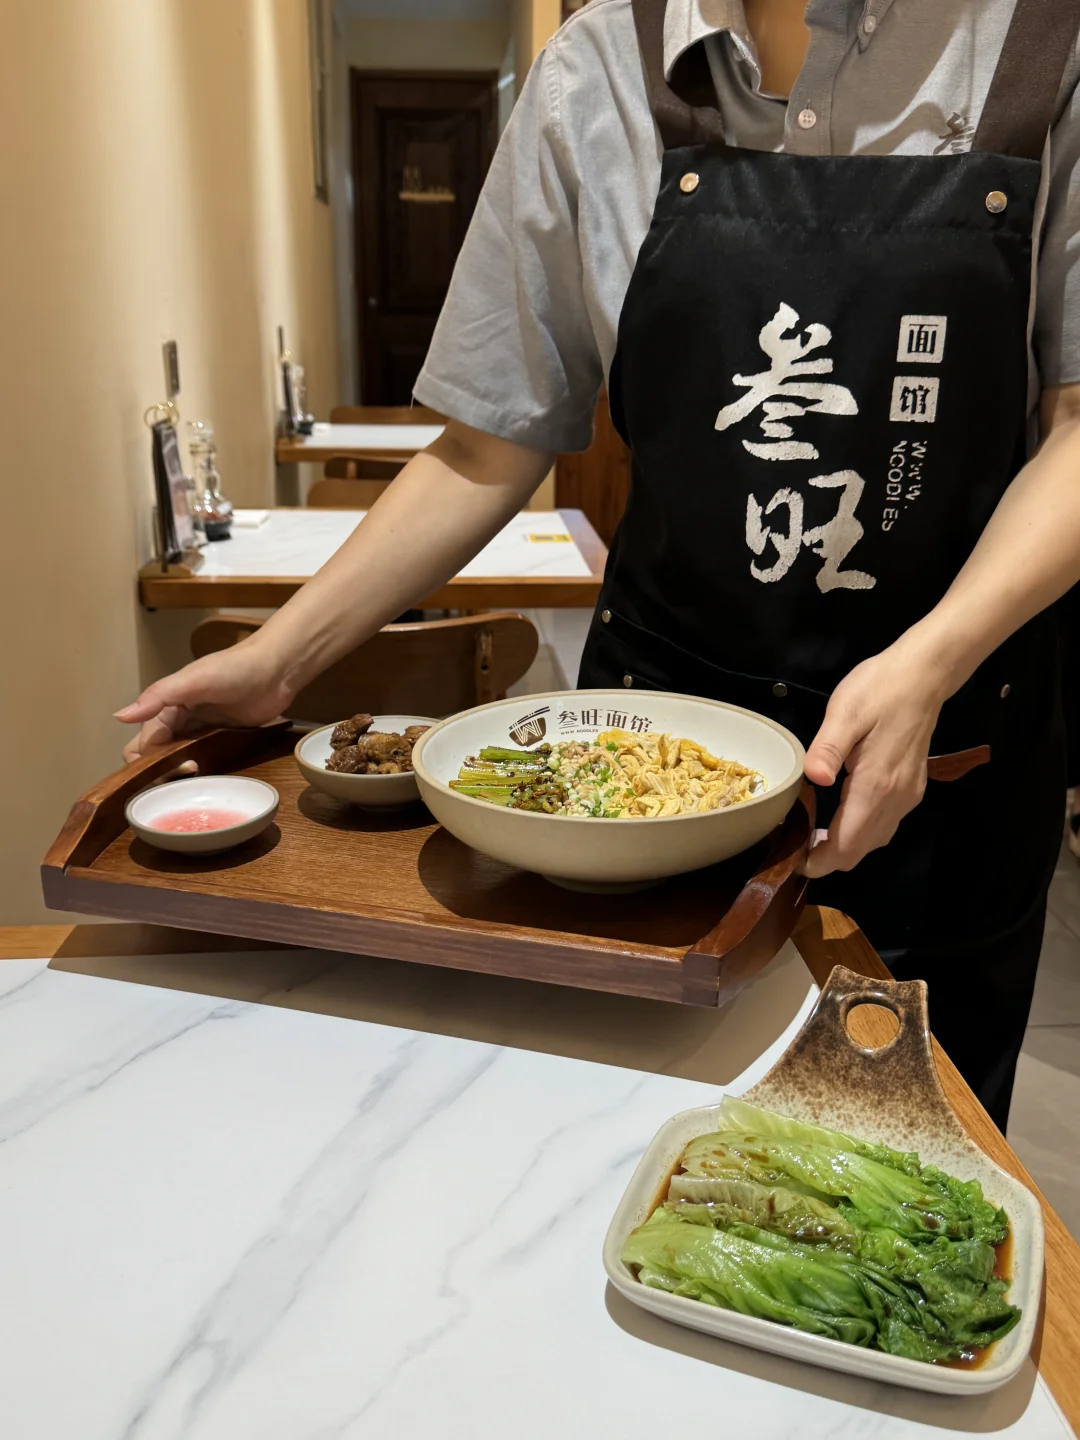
(620, 775)
(789, 389)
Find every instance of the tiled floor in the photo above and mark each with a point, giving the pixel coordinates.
(1044, 1129)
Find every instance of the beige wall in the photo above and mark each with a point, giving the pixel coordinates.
(156, 182)
(535, 21)
(371, 44)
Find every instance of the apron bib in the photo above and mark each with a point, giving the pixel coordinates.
(822, 377)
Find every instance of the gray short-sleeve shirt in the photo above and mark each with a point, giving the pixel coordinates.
(529, 328)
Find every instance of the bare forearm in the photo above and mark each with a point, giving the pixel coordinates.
(1026, 558)
(880, 720)
(445, 506)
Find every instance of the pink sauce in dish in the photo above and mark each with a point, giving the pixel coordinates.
(198, 818)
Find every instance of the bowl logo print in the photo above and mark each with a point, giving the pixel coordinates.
(530, 729)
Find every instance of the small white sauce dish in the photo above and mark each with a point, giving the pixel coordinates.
(253, 800)
(368, 792)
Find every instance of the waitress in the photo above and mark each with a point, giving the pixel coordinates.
(826, 257)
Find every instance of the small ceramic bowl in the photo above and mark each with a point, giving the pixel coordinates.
(253, 800)
(369, 792)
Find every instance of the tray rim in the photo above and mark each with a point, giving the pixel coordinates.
(709, 972)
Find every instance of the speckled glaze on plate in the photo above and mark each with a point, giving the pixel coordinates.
(893, 1096)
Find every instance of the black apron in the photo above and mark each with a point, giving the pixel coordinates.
(822, 376)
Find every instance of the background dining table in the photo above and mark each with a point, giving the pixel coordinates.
(332, 442)
(360, 431)
(540, 560)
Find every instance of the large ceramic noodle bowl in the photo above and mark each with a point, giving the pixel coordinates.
(581, 850)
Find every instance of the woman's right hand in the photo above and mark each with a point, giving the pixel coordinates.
(239, 686)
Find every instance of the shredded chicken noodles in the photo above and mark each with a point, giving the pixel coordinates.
(619, 775)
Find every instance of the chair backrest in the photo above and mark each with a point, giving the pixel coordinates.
(436, 667)
(364, 467)
(342, 490)
(385, 415)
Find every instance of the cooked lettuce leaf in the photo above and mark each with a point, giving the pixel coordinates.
(773, 1207)
(815, 1289)
(870, 1192)
(736, 1114)
(808, 1227)
(735, 1273)
(964, 1196)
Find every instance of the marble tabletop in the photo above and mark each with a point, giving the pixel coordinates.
(231, 1220)
(296, 543)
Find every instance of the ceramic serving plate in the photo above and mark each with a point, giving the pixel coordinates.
(891, 1096)
(597, 854)
(368, 792)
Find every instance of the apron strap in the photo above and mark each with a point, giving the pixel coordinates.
(1019, 108)
(680, 122)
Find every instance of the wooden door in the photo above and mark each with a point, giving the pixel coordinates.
(421, 148)
(598, 481)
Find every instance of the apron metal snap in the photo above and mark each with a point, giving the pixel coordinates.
(779, 690)
(996, 201)
(628, 680)
(689, 183)
(1006, 691)
(605, 616)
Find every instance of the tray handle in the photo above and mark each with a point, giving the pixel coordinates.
(764, 913)
(826, 1075)
(97, 818)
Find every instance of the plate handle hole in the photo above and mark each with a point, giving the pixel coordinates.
(871, 1026)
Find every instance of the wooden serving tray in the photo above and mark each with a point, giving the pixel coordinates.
(398, 885)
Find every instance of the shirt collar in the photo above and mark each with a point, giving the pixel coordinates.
(688, 21)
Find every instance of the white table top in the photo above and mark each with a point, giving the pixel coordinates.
(230, 1221)
(368, 437)
(296, 543)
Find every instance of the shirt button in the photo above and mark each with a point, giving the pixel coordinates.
(628, 681)
(1006, 691)
(779, 690)
(996, 202)
(689, 183)
(807, 119)
(869, 25)
(605, 616)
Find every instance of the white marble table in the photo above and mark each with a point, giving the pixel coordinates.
(540, 559)
(329, 442)
(228, 1220)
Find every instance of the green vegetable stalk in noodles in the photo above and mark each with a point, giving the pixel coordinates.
(833, 1235)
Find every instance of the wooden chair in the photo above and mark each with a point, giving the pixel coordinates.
(598, 481)
(435, 667)
(351, 483)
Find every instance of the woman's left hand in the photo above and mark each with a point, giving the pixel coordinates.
(878, 725)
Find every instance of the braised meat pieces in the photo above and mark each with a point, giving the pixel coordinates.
(359, 750)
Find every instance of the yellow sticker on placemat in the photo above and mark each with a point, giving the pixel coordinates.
(548, 539)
